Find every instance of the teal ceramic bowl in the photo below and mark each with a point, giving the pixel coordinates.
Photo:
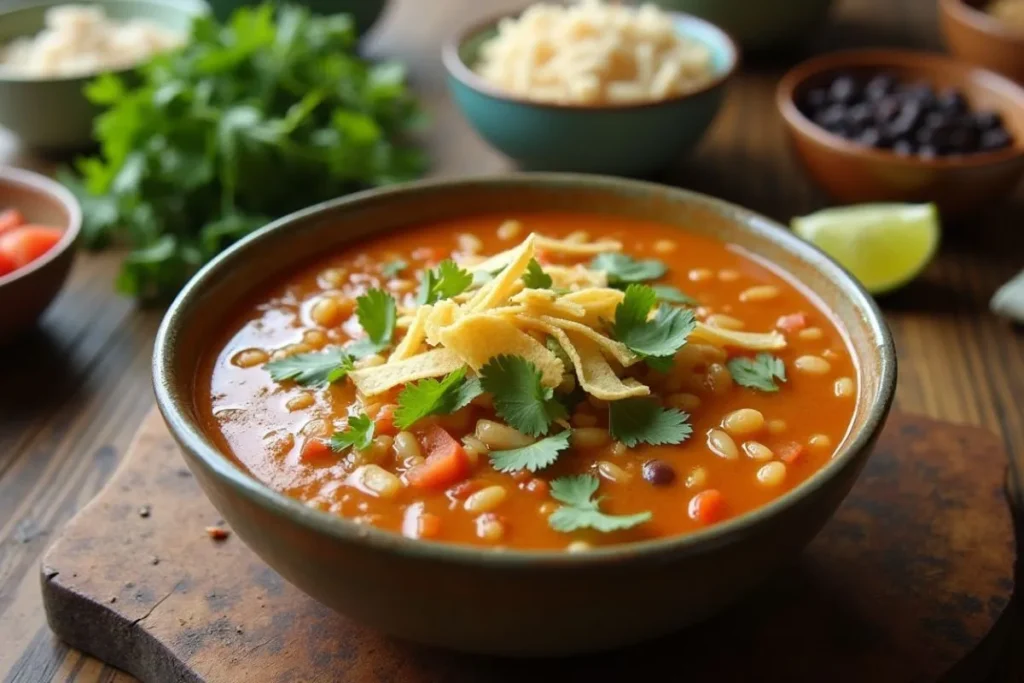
(759, 24)
(630, 140)
(364, 12)
(53, 114)
(511, 602)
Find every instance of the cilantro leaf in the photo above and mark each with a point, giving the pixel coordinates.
(623, 269)
(443, 282)
(656, 340)
(433, 397)
(581, 511)
(535, 277)
(393, 268)
(555, 347)
(311, 369)
(672, 295)
(534, 457)
(758, 373)
(641, 420)
(358, 434)
(519, 397)
(377, 313)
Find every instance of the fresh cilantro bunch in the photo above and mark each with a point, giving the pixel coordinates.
(250, 121)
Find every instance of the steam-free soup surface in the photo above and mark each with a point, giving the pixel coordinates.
(749, 444)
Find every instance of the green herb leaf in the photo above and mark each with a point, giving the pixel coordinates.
(759, 372)
(623, 269)
(535, 277)
(519, 397)
(251, 120)
(656, 340)
(393, 268)
(672, 295)
(534, 457)
(444, 282)
(581, 511)
(433, 397)
(311, 369)
(377, 313)
(358, 434)
(641, 420)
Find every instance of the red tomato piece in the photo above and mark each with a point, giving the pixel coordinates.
(446, 464)
(25, 244)
(790, 453)
(10, 219)
(794, 322)
(7, 264)
(707, 506)
(384, 421)
(314, 450)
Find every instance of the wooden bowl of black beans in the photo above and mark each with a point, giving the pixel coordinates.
(891, 125)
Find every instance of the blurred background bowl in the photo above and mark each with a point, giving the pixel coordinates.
(28, 291)
(981, 39)
(759, 24)
(853, 173)
(53, 114)
(632, 139)
(365, 12)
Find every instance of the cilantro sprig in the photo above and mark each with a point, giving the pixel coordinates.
(673, 295)
(316, 369)
(759, 372)
(443, 282)
(377, 313)
(535, 277)
(357, 434)
(534, 457)
(641, 420)
(622, 269)
(580, 510)
(519, 397)
(655, 340)
(433, 397)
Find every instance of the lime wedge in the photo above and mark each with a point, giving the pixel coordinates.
(885, 246)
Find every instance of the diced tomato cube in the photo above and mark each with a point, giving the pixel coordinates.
(25, 244)
(446, 464)
(708, 506)
(314, 450)
(10, 219)
(384, 421)
(7, 265)
(790, 453)
(794, 322)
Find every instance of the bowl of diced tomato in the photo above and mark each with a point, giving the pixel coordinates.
(39, 221)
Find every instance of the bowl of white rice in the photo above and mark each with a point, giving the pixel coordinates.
(591, 86)
(51, 50)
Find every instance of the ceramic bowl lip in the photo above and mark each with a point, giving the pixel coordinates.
(460, 71)
(966, 13)
(176, 405)
(191, 8)
(56, 192)
(796, 78)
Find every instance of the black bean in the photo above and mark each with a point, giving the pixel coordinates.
(995, 139)
(927, 152)
(934, 119)
(987, 120)
(903, 148)
(658, 473)
(843, 90)
(870, 137)
(860, 115)
(879, 86)
(952, 101)
(833, 118)
(816, 99)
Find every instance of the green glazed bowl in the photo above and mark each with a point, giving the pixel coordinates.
(364, 12)
(631, 140)
(53, 114)
(759, 24)
(498, 601)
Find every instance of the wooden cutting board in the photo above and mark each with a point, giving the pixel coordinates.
(909, 582)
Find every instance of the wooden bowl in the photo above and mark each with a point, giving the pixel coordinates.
(853, 173)
(471, 598)
(28, 291)
(973, 35)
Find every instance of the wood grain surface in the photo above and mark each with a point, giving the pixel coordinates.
(73, 393)
(906, 583)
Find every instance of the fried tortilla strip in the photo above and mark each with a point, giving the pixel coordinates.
(443, 314)
(599, 303)
(753, 341)
(577, 248)
(578, 276)
(546, 302)
(594, 373)
(414, 337)
(433, 363)
(609, 347)
(477, 338)
(506, 283)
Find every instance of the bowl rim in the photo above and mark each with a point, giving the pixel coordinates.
(970, 15)
(189, 8)
(797, 77)
(53, 189)
(461, 72)
(176, 406)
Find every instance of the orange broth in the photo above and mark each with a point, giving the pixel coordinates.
(245, 412)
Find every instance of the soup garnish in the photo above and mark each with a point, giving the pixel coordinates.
(559, 392)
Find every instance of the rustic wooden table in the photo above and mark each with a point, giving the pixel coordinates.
(72, 393)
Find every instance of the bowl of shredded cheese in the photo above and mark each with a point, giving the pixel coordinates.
(49, 51)
(591, 86)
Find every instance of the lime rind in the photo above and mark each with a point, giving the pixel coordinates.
(884, 246)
